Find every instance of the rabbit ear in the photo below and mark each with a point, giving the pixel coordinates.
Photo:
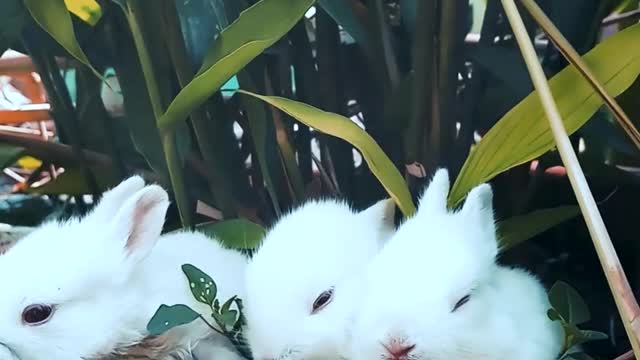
(113, 199)
(139, 221)
(383, 211)
(479, 203)
(435, 195)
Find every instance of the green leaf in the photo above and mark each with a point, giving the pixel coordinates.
(73, 182)
(256, 29)
(235, 233)
(202, 286)
(568, 303)
(168, 317)
(9, 154)
(344, 14)
(517, 229)
(227, 304)
(341, 127)
(54, 18)
(88, 11)
(523, 133)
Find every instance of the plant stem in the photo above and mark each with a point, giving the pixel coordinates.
(423, 66)
(623, 296)
(219, 185)
(572, 56)
(168, 141)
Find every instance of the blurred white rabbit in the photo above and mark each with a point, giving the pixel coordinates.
(86, 288)
(435, 291)
(304, 280)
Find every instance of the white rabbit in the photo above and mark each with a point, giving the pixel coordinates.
(302, 282)
(435, 291)
(86, 288)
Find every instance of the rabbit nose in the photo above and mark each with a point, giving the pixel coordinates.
(399, 350)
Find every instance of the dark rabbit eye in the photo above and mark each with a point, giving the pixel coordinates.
(37, 314)
(461, 302)
(322, 300)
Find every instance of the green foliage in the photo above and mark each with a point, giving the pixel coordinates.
(168, 317)
(237, 45)
(576, 100)
(339, 126)
(517, 229)
(229, 321)
(402, 94)
(235, 233)
(570, 310)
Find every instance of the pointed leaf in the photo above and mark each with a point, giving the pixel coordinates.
(235, 233)
(524, 134)
(517, 229)
(54, 18)
(202, 286)
(345, 13)
(568, 303)
(255, 30)
(88, 11)
(168, 317)
(341, 127)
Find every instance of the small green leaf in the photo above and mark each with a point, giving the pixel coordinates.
(229, 318)
(202, 286)
(227, 305)
(54, 18)
(517, 229)
(525, 131)
(568, 303)
(341, 127)
(235, 233)
(256, 29)
(168, 317)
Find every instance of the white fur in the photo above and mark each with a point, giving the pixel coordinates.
(434, 259)
(107, 274)
(321, 245)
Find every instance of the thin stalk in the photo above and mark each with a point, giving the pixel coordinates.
(572, 56)
(423, 66)
(63, 112)
(385, 46)
(168, 141)
(220, 188)
(623, 296)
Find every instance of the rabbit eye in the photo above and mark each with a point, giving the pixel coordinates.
(37, 314)
(461, 302)
(322, 300)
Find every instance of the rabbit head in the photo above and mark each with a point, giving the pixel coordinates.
(64, 286)
(302, 283)
(428, 290)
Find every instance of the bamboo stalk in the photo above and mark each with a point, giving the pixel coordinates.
(623, 296)
(572, 56)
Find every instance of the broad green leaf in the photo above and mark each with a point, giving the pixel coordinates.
(517, 229)
(341, 127)
(568, 303)
(523, 133)
(256, 29)
(202, 286)
(235, 233)
(54, 18)
(346, 15)
(73, 182)
(88, 11)
(9, 154)
(168, 317)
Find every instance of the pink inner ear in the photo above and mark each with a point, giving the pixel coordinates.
(143, 206)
